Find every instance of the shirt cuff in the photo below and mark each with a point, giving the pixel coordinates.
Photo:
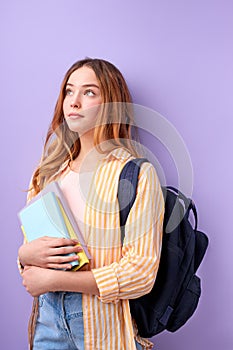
(107, 283)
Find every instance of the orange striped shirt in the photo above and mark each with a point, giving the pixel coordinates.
(121, 273)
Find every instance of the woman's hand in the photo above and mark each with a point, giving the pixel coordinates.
(37, 280)
(48, 252)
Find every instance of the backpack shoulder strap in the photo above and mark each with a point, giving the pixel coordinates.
(188, 202)
(127, 188)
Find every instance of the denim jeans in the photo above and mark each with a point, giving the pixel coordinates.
(60, 322)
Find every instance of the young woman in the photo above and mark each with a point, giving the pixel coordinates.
(89, 141)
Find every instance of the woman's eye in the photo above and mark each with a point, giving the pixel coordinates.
(89, 93)
(69, 92)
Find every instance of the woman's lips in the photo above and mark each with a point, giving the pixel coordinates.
(75, 116)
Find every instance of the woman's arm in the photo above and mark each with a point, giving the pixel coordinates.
(134, 274)
(38, 281)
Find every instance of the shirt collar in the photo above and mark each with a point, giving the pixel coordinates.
(119, 153)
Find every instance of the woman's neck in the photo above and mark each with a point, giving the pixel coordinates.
(87, 146)
(88, 156)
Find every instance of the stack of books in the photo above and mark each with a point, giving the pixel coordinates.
(48, 214)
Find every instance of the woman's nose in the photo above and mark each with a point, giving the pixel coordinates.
(75, 102)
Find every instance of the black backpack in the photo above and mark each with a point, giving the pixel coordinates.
(176, 291)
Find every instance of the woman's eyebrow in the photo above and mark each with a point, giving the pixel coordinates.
(85, 85)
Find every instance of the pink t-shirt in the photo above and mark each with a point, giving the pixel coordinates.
(75, 187)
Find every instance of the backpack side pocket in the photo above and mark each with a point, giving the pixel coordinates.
(186, 306)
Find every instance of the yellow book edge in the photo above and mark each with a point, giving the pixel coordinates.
(83, 259)
(24, 234)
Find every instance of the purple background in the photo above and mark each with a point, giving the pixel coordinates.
(177, 57)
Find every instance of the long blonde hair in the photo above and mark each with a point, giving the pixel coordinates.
(114, 123)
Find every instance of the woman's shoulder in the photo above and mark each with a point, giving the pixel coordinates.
(123, 155)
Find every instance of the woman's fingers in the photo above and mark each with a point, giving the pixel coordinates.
(56, 253)
(61, 259)
(47, 250)
(62, 262)
(67, 250)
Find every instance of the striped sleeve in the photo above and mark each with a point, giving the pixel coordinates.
(134, 275)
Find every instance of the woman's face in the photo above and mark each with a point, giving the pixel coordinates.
(82, 100)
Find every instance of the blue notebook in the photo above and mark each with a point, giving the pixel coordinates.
(43, 216)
